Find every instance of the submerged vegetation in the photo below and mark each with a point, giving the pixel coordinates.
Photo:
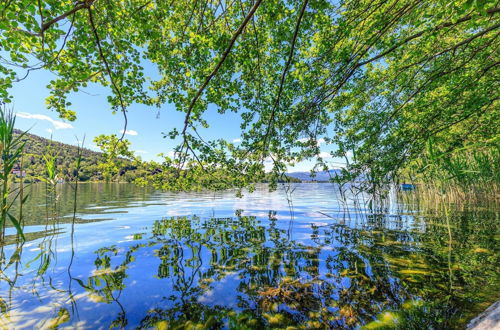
(366, 270)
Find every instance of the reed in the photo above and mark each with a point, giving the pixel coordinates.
(11, 149)
(465, 176)
(50, 178)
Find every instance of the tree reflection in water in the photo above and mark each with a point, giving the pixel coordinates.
(361, 269)
(242, 272)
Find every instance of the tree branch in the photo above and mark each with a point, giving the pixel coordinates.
(108, 69)
(491, 11)
(285, 70)
(219, 64)
(82, 5)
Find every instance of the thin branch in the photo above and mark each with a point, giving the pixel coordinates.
(219, 64)
(285, 70)
(463, 42)
(43, 65)
(491, 11)
(110, 74)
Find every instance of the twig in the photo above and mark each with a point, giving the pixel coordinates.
(285, 70)
(110, 74)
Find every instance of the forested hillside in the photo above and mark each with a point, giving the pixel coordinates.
(37, 147)
(93, 164)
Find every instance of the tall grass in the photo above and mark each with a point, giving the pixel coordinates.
(11, 149)
(11, 154)
(467, 175)
(50, 179)
(76, 175)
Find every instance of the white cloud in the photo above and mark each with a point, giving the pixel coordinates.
(50, 130)
(320, 141)
(57, 123)
(268, 160)
(325, 155)
(236, 140)
(130, 132)
(268, 164)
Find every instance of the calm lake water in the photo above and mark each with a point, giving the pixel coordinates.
(135, 258)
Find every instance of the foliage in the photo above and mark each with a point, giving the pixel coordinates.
(176, 174)
(114, 154)
(63, 162)
(116, 162)
(375, 78)
(11, 152)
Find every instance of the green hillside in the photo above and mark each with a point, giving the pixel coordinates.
(33, 166)
(66, 154)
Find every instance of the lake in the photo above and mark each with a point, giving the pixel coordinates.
(298, 257)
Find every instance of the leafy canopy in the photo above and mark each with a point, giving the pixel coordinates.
(376, 78)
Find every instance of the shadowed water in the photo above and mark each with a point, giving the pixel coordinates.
(134, 258)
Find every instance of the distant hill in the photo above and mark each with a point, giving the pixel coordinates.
(322, 176)
(34, 165)
(36, 147)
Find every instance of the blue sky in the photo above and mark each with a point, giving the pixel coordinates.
(94, 117)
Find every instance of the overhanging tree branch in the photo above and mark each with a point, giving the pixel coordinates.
(285, 71)
(110, 73)
(219, 63)
(466, 18)
(79, 6)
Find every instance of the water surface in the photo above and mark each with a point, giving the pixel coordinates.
(132, 257)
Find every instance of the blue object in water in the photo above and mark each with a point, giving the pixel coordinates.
(408, 186)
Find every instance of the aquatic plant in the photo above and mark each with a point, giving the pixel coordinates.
(51, 179)
(11, 149)
(465, 176)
